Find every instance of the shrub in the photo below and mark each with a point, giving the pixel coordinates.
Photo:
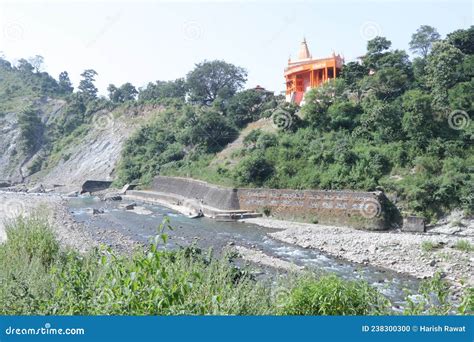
(330, 295)
(254, 169)
(464, 245)
(428, 246)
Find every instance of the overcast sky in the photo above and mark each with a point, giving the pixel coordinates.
(139, 42)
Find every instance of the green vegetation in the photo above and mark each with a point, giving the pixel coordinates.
(330, 295)
(31, 130)
(37, 276)
(388, 123)
(428, 246)
(464, 245)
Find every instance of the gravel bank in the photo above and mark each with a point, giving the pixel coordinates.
(68, 232)
(400, 252)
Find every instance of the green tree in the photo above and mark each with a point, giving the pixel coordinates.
(212, 79)
(254, 169)
(463, 40)
(65, 85)
(164, 90)
(244, 107)
(417, 122)
(208, 129)
(86, 85)
(380, 121)
(36, 61)
(24, 66)
(442, 71)
(352, 72)
(31, 130)
(318, 100)
(423, 39)
(343, 114)
(376, 49)
(126, 92)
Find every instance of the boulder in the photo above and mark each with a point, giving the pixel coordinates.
(127, 206)
(414, 224)
(5, 184)
(94, 211)
(112, 197)
(38, 189)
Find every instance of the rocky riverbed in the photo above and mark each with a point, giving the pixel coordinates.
(53, 206)
(419, 255)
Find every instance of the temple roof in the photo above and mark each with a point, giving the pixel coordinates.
(304, 51)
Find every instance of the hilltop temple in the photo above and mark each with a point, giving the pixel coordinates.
(306, 73)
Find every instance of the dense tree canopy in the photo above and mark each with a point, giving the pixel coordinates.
(212, 79)
(126, 92)
(164, 90)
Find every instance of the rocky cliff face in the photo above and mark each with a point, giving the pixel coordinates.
(15, 164)
(94, 156)
(9, 159)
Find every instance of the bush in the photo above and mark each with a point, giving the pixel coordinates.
(36, 277)
(330, 295)
(464, 245)
(254, 169)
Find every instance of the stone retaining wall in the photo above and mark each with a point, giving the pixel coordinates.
(363, 210)
(356, 209)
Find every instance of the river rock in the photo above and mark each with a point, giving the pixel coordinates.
(414, 224)
(94, 211)
(5, 184)
(38, 189)
(112, 197)
(127, 206)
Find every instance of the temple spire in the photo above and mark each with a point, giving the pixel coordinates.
(304, 51)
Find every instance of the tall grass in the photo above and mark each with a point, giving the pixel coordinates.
(38, 277)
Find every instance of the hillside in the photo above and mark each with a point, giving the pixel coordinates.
(36, 145)
(390, 122)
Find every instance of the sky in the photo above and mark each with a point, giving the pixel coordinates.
(145, 41)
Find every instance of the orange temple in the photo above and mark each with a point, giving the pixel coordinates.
(306, 73)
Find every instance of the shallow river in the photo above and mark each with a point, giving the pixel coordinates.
(207, 233)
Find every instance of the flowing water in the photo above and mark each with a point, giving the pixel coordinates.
(207, 233)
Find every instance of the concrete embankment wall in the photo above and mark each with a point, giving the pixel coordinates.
(214, 196)
(344, 208)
